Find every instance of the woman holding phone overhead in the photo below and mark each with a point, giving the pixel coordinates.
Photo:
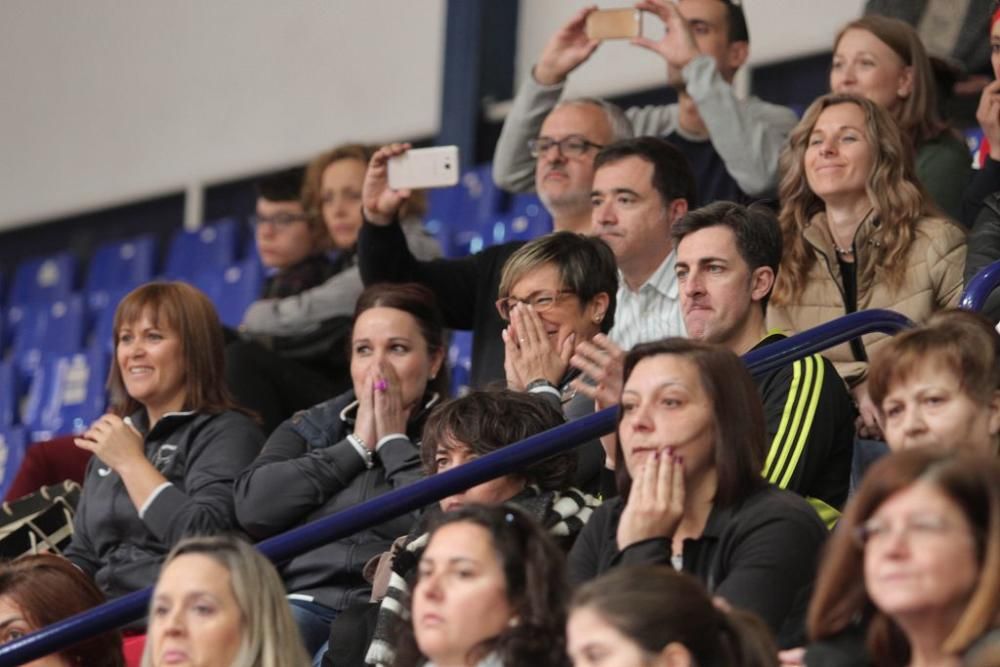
(167, 453)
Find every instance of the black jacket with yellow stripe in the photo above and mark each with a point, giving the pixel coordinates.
(810, 423)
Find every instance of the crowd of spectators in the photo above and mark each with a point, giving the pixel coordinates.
(730, 519)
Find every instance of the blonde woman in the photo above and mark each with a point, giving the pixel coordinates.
(220, 603)
(859, 233)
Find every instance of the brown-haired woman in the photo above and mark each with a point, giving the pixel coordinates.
(167, 453)
(939, 385)
(39, 590)
(349, 449)
(654, 616)
(883, 59)
(913, 566)
(490, 592)
(692, 437)
(858, 233)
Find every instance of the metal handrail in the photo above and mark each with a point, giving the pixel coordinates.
(825, 336)
(505, 461)
(980, 287)
(336, 526)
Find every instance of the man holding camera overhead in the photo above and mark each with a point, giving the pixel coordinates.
(732, 144)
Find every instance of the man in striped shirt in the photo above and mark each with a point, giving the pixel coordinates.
(641, 186)
(727, 260)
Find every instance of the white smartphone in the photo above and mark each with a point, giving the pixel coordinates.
(614, 24)
(419, 168)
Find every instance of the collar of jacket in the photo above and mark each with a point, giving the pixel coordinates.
(349, 414)
(139, 420)
(867, 241)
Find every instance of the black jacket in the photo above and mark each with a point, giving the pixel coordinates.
(810, 424)
(200, 455)
(309, 470)
(984, 249)
(466, 289)
(759, 555)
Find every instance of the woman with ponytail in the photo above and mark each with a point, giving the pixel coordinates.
(651, 615)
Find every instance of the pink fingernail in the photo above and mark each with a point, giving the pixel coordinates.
(381, 385)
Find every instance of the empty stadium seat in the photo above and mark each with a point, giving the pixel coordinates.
(483, 198)
(232, 290)
(213, 247)
(10, 394)
(13, 443)
(43, 279)
(524, 226)
(51, 329)
(122, 264)
(67, 394)
(460, 361)
(101, 306)
(461, 218)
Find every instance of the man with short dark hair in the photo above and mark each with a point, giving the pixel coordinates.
(727, 259)
(641, 186)
(732, 143)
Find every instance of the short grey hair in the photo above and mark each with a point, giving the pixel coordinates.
(621, 126)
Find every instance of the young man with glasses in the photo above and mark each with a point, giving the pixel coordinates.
(271, 369)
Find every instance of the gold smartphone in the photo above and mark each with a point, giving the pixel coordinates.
(614, 24)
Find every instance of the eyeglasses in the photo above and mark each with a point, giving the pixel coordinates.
(572, 146)
(281, 220)
(916, 528)
(541, 301)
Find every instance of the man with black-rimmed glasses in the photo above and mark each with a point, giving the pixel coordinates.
(570, 137)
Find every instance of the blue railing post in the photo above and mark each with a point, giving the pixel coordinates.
(426, 491)
(980, 287)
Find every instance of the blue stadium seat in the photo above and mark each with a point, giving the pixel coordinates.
(241, 286)
(101, 306)
(444, 205)
(528, 218)
(483, 198)
(526, 203)
(67, 394)
(460, 361)
(121, 264)
(232, 290)
(214, 246)
(13, 443)
(461, 217)
(43, 279)
(50, 329)
(10, 395)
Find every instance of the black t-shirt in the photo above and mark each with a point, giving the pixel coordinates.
(849, 272)
(710, 174)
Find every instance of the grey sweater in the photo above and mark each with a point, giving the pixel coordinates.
(748, 134)
(305, 312)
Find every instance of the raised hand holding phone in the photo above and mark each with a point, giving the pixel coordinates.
(379, 201)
